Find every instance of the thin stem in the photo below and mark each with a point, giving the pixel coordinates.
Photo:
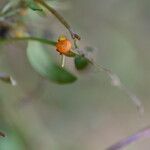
(45, 41)
(116, 82)
(145, 133)
(10, 14)
(10, 9)
(60, 18)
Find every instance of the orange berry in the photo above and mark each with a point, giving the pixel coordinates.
(63, 45)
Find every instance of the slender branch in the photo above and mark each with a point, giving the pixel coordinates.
(45, 41)
(145, 133)
(60, 18)
(116, 82)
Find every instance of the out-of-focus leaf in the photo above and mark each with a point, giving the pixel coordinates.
(11, 142)
(32, 4)
(81, 62)
(2, 134)
(42, 63)
(7, 78)
(8, 6)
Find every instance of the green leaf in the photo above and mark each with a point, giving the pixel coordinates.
(12, 141)
(81, 62)
(32, 5)
(42, 63)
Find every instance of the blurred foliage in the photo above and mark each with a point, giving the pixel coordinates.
(42, 63)
(32, 4)
(81, 62)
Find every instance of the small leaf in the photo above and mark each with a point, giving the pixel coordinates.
(7, 78)
(32, 5)
(81, 62)
(42, 63)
